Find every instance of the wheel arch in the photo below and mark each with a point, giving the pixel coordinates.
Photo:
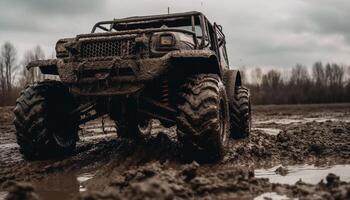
(48, 67)
(196, 65)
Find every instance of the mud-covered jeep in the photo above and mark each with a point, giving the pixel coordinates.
(170, 67)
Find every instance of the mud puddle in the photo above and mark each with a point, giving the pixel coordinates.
(62, 186)
(97, 129)
(3, 195)
(307, 173)
(90, 138)
(272, 195)
(305, 120)
(269, 131)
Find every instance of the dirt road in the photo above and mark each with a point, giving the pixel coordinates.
(290, 150)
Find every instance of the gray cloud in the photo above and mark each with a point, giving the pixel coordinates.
(42, 15)
(259, 33)
(60, 7)
(330, 17)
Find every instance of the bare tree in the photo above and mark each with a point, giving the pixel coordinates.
(2, 82)
(256, 76)
(347, 89)
(8, 69)
(8, 66)
(300, 75)
(318, 73)
(26, 76)
(338, 74)
(271, 80)
(38, 54)
(329, 74)
(271, 85)
(243, 72)
(2, 77)
(33, 74)
(328, 84)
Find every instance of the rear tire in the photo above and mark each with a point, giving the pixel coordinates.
(203, 118)
(44, 126)
(240, 113)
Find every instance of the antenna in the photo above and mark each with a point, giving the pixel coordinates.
(168, 10)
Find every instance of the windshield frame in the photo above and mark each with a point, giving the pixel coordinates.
(144, 19)
(109, 26)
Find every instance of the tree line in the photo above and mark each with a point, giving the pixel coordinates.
(13, 73)
(322, 83)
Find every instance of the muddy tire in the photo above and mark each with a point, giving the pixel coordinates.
(44, 126)
(240, 113)
(203, 118)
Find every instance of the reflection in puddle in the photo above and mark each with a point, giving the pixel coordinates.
(307, 173)
(301, 120)
(279, 121)
(58, 187)
(269, 131)
(99, 130)
(271, 195)
(98, 127)
(2, 195)
(316, 119)
(94, 137)
(83, 178)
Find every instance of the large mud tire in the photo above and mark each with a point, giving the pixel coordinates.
(240, 113)
(203, 118)
(44, 126)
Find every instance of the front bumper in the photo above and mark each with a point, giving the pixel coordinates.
(113, 76)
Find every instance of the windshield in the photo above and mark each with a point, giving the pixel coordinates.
(184, 23)
(198, 29)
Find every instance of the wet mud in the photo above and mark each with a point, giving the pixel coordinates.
(300, 151)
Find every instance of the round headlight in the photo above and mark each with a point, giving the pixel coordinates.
(166, 40)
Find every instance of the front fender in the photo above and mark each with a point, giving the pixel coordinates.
(45, 66)
(198, 61)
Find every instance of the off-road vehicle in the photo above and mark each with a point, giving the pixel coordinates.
(171, 67)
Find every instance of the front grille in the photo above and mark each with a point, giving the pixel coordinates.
(120, 48)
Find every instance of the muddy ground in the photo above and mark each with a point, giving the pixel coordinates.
(299, 151)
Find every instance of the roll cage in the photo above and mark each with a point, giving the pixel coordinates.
(211, 35)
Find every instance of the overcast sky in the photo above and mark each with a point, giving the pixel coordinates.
(277, 33)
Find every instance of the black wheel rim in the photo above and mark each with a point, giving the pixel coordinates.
(62, 127)
(63, 138)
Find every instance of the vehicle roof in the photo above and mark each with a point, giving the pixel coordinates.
(152, 17)
(163, 16)
(140, 19)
